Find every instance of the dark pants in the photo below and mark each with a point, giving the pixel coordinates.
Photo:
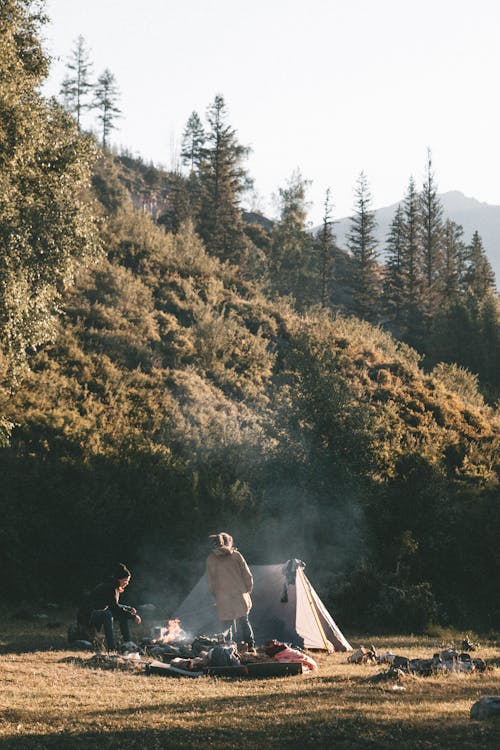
(104, 618)
(243, 630)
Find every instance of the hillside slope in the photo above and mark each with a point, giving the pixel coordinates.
(177, 400)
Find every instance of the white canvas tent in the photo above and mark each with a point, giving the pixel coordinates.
(290, 612)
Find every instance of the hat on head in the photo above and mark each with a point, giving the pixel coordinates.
(121, 571)
(221, 540)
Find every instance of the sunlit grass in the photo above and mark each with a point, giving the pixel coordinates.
(49, 700)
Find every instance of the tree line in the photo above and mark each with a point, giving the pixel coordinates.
(423, 285)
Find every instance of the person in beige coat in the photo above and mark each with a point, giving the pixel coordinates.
(231, 582)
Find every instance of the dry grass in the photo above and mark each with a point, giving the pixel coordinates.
(48, 701)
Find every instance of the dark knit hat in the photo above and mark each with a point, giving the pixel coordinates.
(121, 571)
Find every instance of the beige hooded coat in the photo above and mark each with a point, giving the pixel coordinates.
(230, 581)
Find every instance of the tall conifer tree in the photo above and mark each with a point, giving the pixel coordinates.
(432, 232)
(479, 277)
(77, 85)
(192, 150)
(412, 264)
(363, 246)
(193, 141)
(106, 97)
(326, 244)
(395, 280)
(223, 180)
(453, 260)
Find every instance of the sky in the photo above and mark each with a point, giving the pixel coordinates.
(327, 87)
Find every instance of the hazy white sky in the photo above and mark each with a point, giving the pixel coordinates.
(331, 87)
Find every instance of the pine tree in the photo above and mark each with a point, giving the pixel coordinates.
(432, 244)
(453, 260)
(362, 244)
(192, 150)
(77, 86)
(412, 265)
(222, 182)
(326, 244)
(178, 209)
(193, 141)
(467, 330)
(489, 369)
(395, 280)
(291, 257)
(106, 97)
(479, 278)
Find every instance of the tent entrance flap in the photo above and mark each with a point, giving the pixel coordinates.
(304, 583)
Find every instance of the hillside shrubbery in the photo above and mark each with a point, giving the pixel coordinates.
(176, 399)
(170, 397)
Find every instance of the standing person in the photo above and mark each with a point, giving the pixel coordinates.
(101, 606)
(231, 583)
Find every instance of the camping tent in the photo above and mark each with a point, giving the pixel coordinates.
(285, 607)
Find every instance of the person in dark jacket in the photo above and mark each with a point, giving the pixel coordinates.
(101, 607)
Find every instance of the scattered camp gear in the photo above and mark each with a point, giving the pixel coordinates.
(302, 619)
(223, 656)
(261, 669)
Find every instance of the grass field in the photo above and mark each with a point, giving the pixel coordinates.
(50, 699)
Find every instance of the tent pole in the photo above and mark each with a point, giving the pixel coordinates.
(313, 607)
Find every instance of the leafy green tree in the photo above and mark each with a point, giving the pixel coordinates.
(291, 257)
(46, 219)
(106, 97)
(77, 85)
(223, 180)
(363, 246)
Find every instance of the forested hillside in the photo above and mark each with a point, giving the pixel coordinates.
(171, 367)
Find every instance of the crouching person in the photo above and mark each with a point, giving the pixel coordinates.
(101, 607)
(231, 582)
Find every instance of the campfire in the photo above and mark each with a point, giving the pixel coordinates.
(170, 634)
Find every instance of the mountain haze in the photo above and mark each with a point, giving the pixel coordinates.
(470, 213)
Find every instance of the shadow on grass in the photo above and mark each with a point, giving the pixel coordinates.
(359, 734)
(27, 644)
(19, 636)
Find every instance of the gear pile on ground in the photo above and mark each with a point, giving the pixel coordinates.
(447, 660)
(205, 655)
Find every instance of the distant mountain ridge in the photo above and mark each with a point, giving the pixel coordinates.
(470, 213)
